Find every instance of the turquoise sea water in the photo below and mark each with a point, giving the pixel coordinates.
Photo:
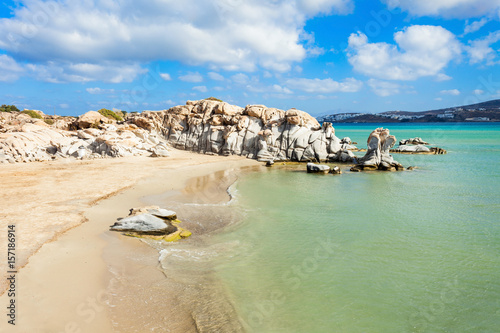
(412, 251)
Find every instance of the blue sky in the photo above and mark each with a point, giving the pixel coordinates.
(320, 56)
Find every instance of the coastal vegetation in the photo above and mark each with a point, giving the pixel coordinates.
(32, 114)
(8, 108)
(118, 115)
(213, 99)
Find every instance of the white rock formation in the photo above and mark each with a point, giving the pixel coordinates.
(205, 126)
(377, 156)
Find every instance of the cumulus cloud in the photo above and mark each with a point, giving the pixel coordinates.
(384, 88)
(275, 89)
(232, 35)
(202, 89)
(99, 91)
(10, 70)
(215, 76)
(191, 77)
(447, 8)
(421, 50)
(452, 92)
(165, 76)
(240, 78)
(282, 90)
(480, 50)
(58, 72)
(478, 92)
(324, 86)
(443, 77)
(475, 25)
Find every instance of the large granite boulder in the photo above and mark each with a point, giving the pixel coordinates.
(317, 168)
(91, 118)
(377, 156)
(256, 131)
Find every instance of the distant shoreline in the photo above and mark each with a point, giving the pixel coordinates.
(415, 123)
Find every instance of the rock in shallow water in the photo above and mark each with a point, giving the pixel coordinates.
(151, 222)
(335, 170)
(144, 224)
(317, 168)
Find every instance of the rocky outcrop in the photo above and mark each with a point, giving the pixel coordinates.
(377, 156)
(37, 142)
(413, 141)
(206, 126)
(256, 131)
(92, 119)
(418, 149)
(151, 222)
(411, 146)
(411, 149)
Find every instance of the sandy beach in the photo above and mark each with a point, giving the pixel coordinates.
(71, 267)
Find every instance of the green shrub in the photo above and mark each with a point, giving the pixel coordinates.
(49, 121)
(8, 108)
(111, 114)
(213, 99)
(32, 114)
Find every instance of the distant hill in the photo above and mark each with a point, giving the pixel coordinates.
(481, 112)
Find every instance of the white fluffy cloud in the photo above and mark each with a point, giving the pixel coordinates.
(202, 89)
(99, 91)
(240, 78)
(384, 88)
(452, 92)
(10, 70)
(421, 50)
(215, 76)
(447, 8)
(191, 77)
(57, 72)
(227, 34)
(324, 86)
(480, 50)
(475, 25)
(165, 76)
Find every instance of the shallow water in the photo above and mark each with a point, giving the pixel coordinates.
(413, 251)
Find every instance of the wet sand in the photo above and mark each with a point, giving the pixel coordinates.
(84, 278)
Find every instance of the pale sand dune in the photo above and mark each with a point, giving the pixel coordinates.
(59, 285)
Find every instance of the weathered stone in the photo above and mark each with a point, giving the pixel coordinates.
(90, 119)
(151, 222)
(335, 170)
(317, 168)
(413, 141)
(377, 156)
(145, 224)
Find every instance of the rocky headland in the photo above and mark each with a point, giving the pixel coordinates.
(205, 126)
(417, 146)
